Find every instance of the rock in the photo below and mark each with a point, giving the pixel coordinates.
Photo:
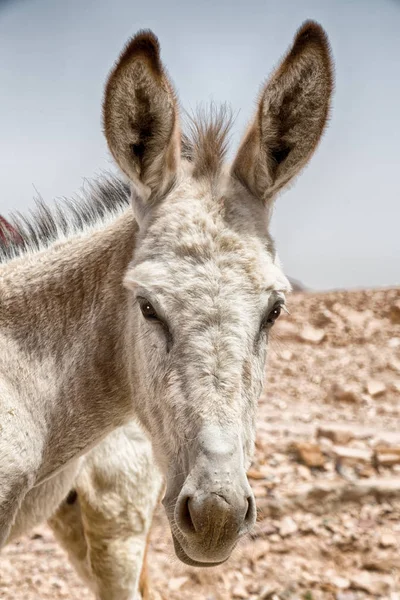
(255, 474)
(352, 455)
(175, 583)
(239, 591)
(312, 335)
(335, 433)
(287, 527)
(387, 540)
(365, 582)
(304, 473)
(309, 453)
(375, 388)
(323, 317)
(322, 496)
(345, 394)
(355, 318)
(381, 562)
(387, 456)
(394, 342)
(260, 549)
(286, 354)
(340, 583)
(267, 528)
(394, 364)
(394, 313)
(365, 470)
(267, 591)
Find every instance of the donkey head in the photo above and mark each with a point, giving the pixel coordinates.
(205, 282)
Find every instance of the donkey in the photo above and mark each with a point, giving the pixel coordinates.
(125, 333)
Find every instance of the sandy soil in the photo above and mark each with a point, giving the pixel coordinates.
(326, 473)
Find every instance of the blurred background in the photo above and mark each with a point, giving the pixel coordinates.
(338, 227)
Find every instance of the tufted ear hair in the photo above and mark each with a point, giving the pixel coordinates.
(291, 115)
(141, 119)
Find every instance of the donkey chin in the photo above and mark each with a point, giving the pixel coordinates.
(213, 506)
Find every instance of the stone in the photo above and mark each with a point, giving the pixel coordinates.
(260, 549)
(239, 591)
(286, 355)
(312, 335)
(394, 313)
(267, 591)
(357, 318)
(365, 582)
(309, 453)
(396, 385)
(345, 394)
(335, 433)
(387, 540)
(255, 474)
(352, 455)
(375, 388)
(175, 583)
(387, 456)
(304, 473)
(340, 583)
(267, 528)
(394, 364)
(287, 527)
(381, 562)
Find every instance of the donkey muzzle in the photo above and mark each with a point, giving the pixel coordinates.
(215, 505)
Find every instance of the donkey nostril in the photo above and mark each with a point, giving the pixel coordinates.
(185, 520)
(251, 512)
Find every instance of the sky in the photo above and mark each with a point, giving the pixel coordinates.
(336, 227)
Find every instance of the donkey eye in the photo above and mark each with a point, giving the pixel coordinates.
(274, 314)
(148, 311)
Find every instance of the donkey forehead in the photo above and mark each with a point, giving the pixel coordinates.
(191, 269)
(198, 243)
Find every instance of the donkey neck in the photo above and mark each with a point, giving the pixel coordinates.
(64, 309)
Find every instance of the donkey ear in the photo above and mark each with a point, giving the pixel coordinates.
(140, 117)
(291, 115)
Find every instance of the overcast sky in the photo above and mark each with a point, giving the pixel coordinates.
(339, 224)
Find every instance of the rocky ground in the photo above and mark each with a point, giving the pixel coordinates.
(326, 473)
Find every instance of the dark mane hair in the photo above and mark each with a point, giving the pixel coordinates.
(43, 225)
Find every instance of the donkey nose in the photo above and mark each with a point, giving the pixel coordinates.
(215, 512)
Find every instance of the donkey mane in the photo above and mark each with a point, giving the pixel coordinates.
(204, 144)
(99, 200)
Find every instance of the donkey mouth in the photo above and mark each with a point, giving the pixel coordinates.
(183, 557)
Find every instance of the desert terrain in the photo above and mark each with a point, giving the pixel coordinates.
(326, 473)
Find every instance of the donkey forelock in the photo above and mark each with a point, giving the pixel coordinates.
(206, 141)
